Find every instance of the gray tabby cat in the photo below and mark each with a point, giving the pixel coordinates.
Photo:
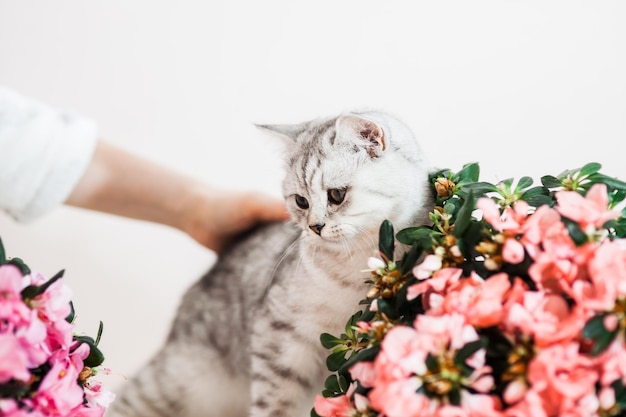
(245, 340)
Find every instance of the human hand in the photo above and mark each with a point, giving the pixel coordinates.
(215, 217)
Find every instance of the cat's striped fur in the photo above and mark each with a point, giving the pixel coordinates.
(245, 340)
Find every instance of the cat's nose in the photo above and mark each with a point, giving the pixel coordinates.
(317, 228)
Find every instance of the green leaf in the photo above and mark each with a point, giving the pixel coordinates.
(590, 168)
(576, 233)
(432, 363)
(550, 181)
(537, 196)
(464, 216)
(3, 256)
(620, 393)
(455, 397)
(353, 321)
(385, 307)
(95, 357)
(524, 182)
(468, 350)
(470, 172)
(14, 389)
(314, 414)
(479, 188)
(329, 341)
(422, 235)
(332, 384)
(506, 183)
(99, 334)
(70, 317)
(594, 330)
(363, 355)
(386, 240)
(24, 269)
(450, 207)
(611, 183)
(410, 259)
(335, 360)
(343, 383)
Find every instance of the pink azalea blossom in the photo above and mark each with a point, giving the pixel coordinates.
(479, 301)
(59, 391)
(96, 396)
(399, 398)
(14, 363)
(563, 378)
(537, 227)
(545, 317)
(439, 281)
(334, 406)
(431, 264)
(510, 220)
(607, 268)
(612, 363)
(54, 303)
(589, 211)
(365, 373)
(12, 308)
(512, 251)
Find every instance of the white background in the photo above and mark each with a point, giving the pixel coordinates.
(523, 88)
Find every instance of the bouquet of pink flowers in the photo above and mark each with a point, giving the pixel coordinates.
(512, 303)
(45, 369)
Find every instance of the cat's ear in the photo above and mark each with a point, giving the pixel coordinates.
(363, 133)
(288, 133)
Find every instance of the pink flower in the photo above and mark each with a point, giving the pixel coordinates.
(607, 268)
(439, 281)
(399, 398)
(545, 317)
(12, 308)
(589, 211)
(537, 226)
(479, 301)
(430, 265)
(59, 391)
(442, 331)
(365, 373)
(564, 379)
(335, 406)
(515, 391)
(512, 251)
(97, 396)
(510, 220)
(83, 411)
(54, 303)
(613, 363)
(14, 362)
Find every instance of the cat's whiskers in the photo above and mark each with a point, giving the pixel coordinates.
(285, 254)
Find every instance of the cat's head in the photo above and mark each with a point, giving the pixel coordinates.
(347, 174)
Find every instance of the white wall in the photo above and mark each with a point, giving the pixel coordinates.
(524, 88)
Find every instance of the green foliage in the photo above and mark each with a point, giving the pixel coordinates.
(599, 335)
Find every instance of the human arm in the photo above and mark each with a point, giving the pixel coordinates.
(121, 183)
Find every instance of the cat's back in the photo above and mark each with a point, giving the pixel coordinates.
(253, 259)
(237, 281)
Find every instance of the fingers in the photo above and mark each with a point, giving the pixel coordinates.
(265, 208)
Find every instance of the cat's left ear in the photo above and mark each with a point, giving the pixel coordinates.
(363, 133)
(287, 133)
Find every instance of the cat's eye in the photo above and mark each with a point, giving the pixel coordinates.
(336, 195)
(302, 202)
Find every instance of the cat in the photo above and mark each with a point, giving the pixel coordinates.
(245, 340)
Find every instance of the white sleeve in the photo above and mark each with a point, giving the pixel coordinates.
(43, 154)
